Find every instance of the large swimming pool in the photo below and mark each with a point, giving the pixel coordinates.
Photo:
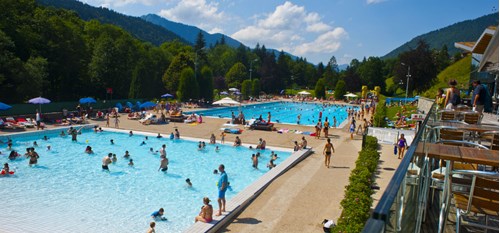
(69, 192)
(285, 112)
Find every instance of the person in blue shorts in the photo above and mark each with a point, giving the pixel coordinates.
(158, 214)
(222, 187)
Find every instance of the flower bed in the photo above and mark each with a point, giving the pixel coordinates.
(357, 199)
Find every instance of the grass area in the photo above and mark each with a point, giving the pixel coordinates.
(407, 110)
(460, 71)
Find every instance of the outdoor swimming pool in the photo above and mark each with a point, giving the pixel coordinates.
(285, 112)
(68, 191)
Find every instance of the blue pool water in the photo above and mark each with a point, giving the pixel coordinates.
(68, 191)
(285, 112)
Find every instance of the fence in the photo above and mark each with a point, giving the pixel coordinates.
(30, 109)
(390, 136)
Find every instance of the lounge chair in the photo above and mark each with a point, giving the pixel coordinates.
(176, 118)
(23, 121)
(262, 126)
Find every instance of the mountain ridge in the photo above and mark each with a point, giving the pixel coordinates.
(467, 30)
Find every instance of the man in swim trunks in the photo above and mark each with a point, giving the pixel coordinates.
(222, 187)
(163, 164)
(327, 151)
(163, 151)
(106, 161)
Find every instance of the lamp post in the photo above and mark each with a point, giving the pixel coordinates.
(251, 67)
(408, 75)
(196, 62)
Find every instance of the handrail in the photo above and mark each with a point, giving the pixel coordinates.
(382, 209)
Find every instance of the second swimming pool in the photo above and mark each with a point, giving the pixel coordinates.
(69, 192)
(285, 112)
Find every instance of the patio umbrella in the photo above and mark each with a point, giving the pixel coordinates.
(129, 105)
(4, 106)
(224, 93)
(39, 100)
(282, 92)
(350, 95)
(233, 89)
(87, 100)
(237, 93)
(167, 96)
(226, 100)
(304, 93)
(147, 104)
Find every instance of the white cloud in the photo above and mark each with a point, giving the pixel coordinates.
(216, 30)
(374, 1)
(201, 13)
(291, 28)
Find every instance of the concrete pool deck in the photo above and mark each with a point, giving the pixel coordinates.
(296, 201)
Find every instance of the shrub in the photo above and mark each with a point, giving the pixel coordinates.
(380, 114)
(357, 198)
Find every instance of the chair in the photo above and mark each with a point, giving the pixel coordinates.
(481, 200)
(448, 133)
(447, 115)
(489, 139)
(438, 174)
(472, 118)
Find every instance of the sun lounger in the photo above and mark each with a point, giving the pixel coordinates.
(26, 123)
(262, 126)
(176, 118)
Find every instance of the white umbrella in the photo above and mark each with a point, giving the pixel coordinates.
(233, 89)
(350, 95)
(226, 100)
(304, 93)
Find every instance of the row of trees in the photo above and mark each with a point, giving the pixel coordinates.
(52, 52)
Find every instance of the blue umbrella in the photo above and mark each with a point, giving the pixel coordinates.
(167, 96)
(39, 100)
(119, 106)
(130, 105)
(224, 93)
(237, 93)
(4, 106)
(87, 100)
(147, 104)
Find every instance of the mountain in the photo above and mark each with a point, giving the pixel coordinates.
(138, 27)
(188, 32)
(468, 30)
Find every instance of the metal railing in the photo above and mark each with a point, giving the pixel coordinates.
(400, 208)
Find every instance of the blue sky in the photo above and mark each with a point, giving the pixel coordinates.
(314, 29)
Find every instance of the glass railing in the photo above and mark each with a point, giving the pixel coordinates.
(401, 207)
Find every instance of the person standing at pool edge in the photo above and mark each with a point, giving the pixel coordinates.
(222, 187)
(327, 151)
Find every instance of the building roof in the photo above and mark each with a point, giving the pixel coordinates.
(480, 45)
(489, 62)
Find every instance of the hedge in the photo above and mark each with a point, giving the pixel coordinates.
(357, 198)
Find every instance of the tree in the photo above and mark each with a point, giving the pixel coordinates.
(246, 88)
(332, 63)
(340, 90)
(188, 87)
(172, 74)
(423, 71)
(371, 72)
(206, 84)
(255, 87)
(320, 89)
(236, 75)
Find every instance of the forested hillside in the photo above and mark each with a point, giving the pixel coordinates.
(468, 30)
(138, 27)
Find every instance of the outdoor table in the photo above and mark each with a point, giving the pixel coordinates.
(452, 153)
(477, 128)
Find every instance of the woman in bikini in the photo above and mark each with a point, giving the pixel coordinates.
(402, 146)
(328, 151)
(206, 212)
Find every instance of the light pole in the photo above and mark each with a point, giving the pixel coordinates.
(251, 67)
(196, 62)
(408, 75)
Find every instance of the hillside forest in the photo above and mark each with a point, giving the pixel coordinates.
(53, 53)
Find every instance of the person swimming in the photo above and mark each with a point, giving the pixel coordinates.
(152, 151)
(131, 162)
(112, 142)
(188, 182)
(127, 155)
(159, 136)
(143, 143)
(217, 149)
(130, 134)
(114, 159)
